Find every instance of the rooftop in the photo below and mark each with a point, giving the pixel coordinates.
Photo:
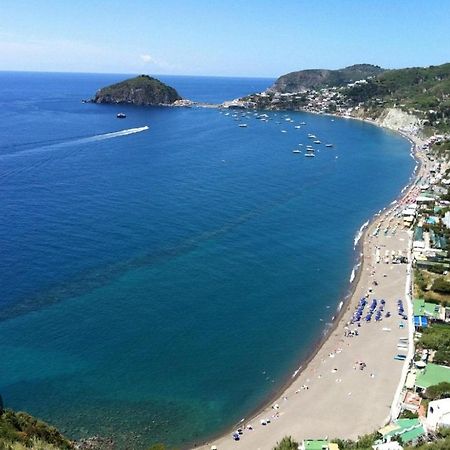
(423, 308)
(408, 429)
(431, 375)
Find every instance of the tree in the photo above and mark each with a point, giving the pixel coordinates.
(287, 443)
(438, 391)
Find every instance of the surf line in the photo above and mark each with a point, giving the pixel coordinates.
(86, 140)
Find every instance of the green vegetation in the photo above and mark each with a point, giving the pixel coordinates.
(287, 443)
(438, 391)
(19, 430)
(319, 78)
(406, 414)
(425, 91)
(440, 285)
(437, 337)
(141, 90)
(363, 443)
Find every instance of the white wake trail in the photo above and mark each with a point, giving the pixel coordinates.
(96, 138)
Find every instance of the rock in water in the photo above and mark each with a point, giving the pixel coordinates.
(141, 90)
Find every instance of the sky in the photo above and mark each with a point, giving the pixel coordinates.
(249, 38)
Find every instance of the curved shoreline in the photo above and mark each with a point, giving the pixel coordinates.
(346, 305)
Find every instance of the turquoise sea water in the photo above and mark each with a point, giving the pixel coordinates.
(158, 286)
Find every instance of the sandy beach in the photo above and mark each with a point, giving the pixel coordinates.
(349, 386)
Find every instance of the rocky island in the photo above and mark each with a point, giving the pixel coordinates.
(142, 90)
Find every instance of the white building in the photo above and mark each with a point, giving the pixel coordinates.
(438, 414)
(392, 445)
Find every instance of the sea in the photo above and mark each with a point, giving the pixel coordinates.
(159, 284)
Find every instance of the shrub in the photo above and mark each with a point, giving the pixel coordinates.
(440, 285)
(287, 443)
(438, 391)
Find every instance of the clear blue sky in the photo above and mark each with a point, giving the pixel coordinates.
(220, 37)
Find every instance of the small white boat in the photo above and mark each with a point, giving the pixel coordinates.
(297, 126)
(317, 142)
(243, 125)
(296, 151)
(328, 145)
(283, 131)
(302, 123)
(121, 115)
(310, 155)
(312, 136)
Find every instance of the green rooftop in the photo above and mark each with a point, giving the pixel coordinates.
(412, 435)
(423, 308)
(409, 430)
(431, 375)
(419, 306)
(315, 444)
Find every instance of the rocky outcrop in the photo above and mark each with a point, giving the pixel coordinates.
(141, 90)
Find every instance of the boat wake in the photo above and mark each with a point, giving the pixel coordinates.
(359, 234)
(102, 137)
(85, 140)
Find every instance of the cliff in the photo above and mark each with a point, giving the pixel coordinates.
(141, 90)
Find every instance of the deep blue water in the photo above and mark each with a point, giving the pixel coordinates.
(158, 286)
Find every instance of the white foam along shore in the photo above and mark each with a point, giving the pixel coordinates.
(360, 233)
(312, 389)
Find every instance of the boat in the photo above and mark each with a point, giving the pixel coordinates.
(310, 155)
(317, 142)
(297, 126)
(121, 115)
(328, 145)
(302, 123)
(283, 131)
(312, 136)
(242, 125)
(296, 151)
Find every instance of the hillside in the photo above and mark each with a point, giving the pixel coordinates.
(424, 91)
(413, 98)
(19, 430)
(318, 78)
(141, 90)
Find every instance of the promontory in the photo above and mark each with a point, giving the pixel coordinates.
(142, 90)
